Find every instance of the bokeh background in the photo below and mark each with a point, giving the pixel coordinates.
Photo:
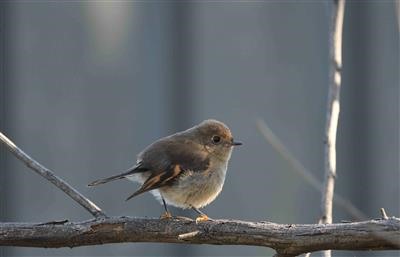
(86, 85)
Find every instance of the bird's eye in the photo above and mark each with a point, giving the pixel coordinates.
(216, 139)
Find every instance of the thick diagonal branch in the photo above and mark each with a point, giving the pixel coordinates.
(49, 175)
(287, 240)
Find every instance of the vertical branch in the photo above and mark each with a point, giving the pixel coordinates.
(306, 174)
(333, 109)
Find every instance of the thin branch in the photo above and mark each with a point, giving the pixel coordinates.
(276, 143)
(308, 176)
(333, 110)
(287, 240)
(49, 175)
(383, 213)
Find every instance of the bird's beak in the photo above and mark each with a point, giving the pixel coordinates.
(236, 143)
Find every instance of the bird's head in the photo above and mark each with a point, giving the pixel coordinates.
(216, 138)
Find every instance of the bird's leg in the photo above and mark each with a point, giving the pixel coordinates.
(202, 217)
(166, 214)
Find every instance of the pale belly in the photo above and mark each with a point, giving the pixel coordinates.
(194, 189)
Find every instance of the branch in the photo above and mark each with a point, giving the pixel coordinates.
(49, 175)
(287, 240)
(306, 174)
(333, 110)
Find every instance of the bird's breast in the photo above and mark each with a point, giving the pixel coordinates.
(196, 188)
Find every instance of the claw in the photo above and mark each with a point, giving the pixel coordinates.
(165, 216)
(202, 218)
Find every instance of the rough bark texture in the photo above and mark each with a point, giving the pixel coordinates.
(286, 239)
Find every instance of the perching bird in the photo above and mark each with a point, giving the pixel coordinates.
(186, 169)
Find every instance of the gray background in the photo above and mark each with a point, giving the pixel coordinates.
(86, 85)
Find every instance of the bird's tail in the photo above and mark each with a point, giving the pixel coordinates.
(135, 169)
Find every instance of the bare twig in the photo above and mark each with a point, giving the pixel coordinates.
(49, 175)
(309, 177)
(383, 213)
(287, 240)
(271, 138)
(333, 110)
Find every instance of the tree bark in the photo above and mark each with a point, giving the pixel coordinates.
(286, 239)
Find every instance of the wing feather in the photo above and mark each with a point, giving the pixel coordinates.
(168, 160)
(158, 180)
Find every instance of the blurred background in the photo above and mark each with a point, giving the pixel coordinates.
(86, 85)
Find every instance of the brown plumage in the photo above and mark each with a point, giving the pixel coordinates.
(186, 169)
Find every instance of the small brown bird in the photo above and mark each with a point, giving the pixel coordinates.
(186, 169)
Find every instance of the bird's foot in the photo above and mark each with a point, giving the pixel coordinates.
(166, 216)
(202, 218)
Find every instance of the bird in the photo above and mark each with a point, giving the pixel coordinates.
(185, 170)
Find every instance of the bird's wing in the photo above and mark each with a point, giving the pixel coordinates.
(135, 169)
(158, 180)
(168, 163)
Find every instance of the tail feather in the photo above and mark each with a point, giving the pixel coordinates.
(135, 169)
(134, 194)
